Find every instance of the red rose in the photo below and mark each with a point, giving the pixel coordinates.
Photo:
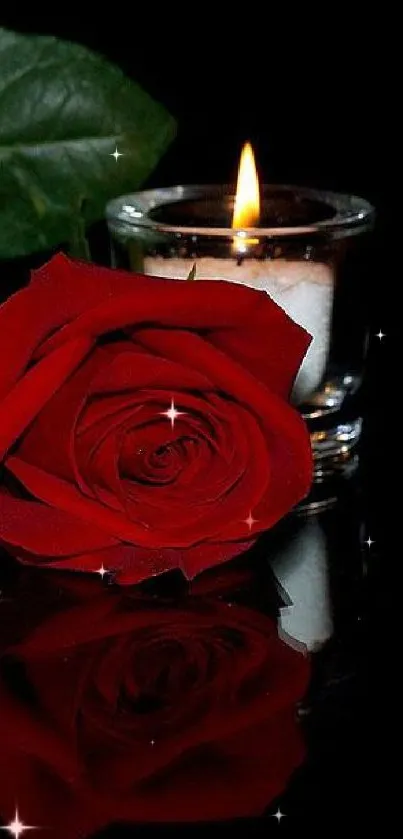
(125, 709)
(97, 470)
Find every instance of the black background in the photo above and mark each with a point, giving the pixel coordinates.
(317, 101)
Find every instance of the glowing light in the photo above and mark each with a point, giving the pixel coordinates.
(172, 414)
(250, 521)
(116, 154)
(17, 827)
(247, 199)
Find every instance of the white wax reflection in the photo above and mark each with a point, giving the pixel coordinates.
(301, 568)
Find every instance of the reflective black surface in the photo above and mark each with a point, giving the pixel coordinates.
(171, 706)
(320, 583)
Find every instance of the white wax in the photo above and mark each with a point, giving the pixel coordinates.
(303, 289)
(301, 568)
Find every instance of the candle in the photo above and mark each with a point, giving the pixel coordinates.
(303, 288)
(294, 243)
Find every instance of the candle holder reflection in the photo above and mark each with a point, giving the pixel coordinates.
(301, 566)
(305, 254)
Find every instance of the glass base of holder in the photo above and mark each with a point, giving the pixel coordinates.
(333, 418)
(335, 460)
(333, 448)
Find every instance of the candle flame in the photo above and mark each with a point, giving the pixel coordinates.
(247, 200)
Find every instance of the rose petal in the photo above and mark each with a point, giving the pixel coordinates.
(29, 395)
(286, 433)
(217, 498)
(252, 320)
(62, 495)
(58, 293)
(49, 440)
(141, 563)
(136, 370)
(34, 737)
(46, 531)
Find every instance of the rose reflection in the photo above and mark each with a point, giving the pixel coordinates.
(124, 706)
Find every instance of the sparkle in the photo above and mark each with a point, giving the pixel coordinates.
(250, 521)
(17, 827)
(172, 413)
(369, 541)
(152, 742)
(116, 154)
(102, 571)
(380, 335)
(279, 815)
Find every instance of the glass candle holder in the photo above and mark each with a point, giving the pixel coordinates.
(308, 254)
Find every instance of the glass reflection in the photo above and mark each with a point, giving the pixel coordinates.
(301, 566)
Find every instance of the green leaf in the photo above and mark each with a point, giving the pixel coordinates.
(63, 112)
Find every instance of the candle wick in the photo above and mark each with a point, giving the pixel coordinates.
(192, 273)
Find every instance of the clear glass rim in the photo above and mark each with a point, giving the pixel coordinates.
(351, 214)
